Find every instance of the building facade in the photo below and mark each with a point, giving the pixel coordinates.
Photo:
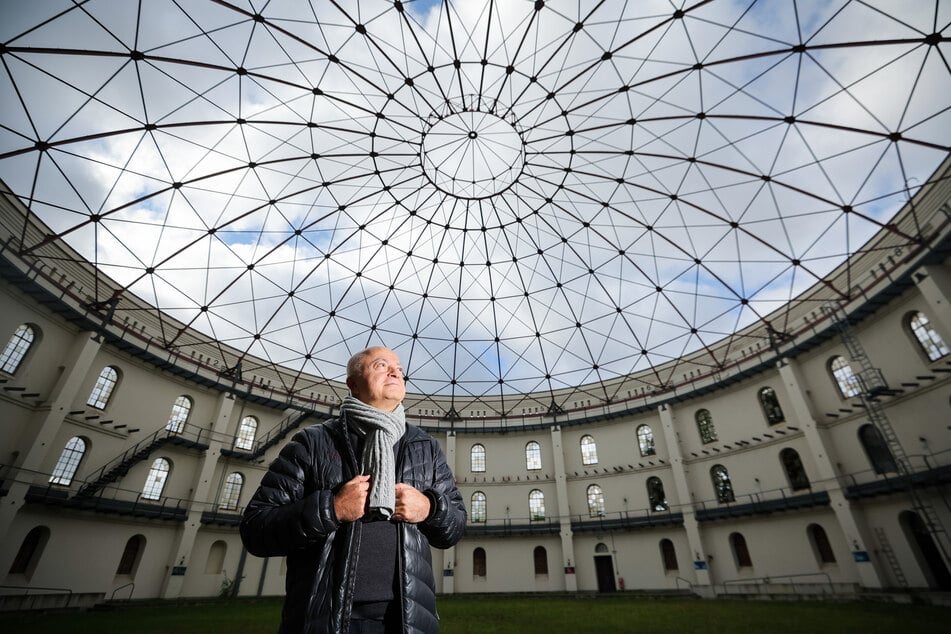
(815, 462)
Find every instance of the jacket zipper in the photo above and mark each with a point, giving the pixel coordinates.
(353, 551)
(401, 534)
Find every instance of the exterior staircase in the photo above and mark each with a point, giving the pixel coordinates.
(278, 433)
(120, 465)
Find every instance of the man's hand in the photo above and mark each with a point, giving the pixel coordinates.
(412, 506)
(350, 502)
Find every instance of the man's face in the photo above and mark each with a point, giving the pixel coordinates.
(380, 382)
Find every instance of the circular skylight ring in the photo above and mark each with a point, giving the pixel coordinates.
(472, 155)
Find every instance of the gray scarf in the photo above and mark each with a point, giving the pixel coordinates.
(382, 431)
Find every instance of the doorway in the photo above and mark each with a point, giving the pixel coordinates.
(604, 568)
(925, 550)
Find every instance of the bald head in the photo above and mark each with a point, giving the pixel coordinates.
(375, 376)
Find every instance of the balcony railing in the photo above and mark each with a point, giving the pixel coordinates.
(113, 501)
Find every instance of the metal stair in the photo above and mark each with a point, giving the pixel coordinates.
(274, 436)
(120, 465)
(873, 388)
(886, 549)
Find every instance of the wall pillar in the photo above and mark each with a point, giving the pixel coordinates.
(35, 442)
(202, 494)
(691, 525)
(934, 283)
(564, 512)
(449, 555)
(855, 531)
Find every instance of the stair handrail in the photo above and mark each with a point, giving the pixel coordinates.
(260, 445)
(129, 598)
(161, 435)
(27, 588)
(767, 579)
(678, 579)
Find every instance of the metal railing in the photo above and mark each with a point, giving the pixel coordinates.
(917, 464)
(627, 518)
(277, 432)
(46, 592)
(130, 585)
(514, 526)
(778, 579)
(113, 500)
(191, 434)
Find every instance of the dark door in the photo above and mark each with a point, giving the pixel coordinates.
(604, 566)
(927, 552)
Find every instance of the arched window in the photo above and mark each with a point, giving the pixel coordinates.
(131, 556)
(741, 554)
(231, 492)
(477, 507)
(589, 451)
(795, 472)
(668, 555)
(68, 461)
(820, 544)
(845, 379)
(770, 404)
(708, 433)
(656, 495)
(105, 384)
(16, 349)
(533, 456)
(536, 505)
(595, 501)
(645, 440)
(180, 410)
(478, 562)
(246, 430)
(477, 459)
(876, 449)
(31, 549)
(216, 558)
(155, 482)
(721, 483)
(928, 338)
(540, 555)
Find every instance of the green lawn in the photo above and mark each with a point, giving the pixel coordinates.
(523, 615)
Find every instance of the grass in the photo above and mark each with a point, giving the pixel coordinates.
(522, 615)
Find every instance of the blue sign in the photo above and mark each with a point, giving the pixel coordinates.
(699, 565)
(860, 555)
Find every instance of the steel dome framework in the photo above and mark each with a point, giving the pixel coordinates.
(521, 198)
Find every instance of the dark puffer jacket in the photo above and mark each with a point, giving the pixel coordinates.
(292, 514)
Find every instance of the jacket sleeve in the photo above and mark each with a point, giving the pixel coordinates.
(283, 516)
(447, 520)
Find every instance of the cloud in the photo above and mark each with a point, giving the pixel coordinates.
(334, 176)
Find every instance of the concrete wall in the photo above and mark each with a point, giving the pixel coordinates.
(84, 547)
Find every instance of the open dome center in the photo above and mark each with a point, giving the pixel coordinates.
(472, 155)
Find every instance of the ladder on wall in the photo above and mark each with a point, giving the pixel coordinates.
(886, 548)
(873, 387)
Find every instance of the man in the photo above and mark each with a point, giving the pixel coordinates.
(355, 504)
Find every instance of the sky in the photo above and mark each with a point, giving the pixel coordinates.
(518, 197)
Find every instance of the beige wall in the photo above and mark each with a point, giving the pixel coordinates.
(84, 547)
(83, 553)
